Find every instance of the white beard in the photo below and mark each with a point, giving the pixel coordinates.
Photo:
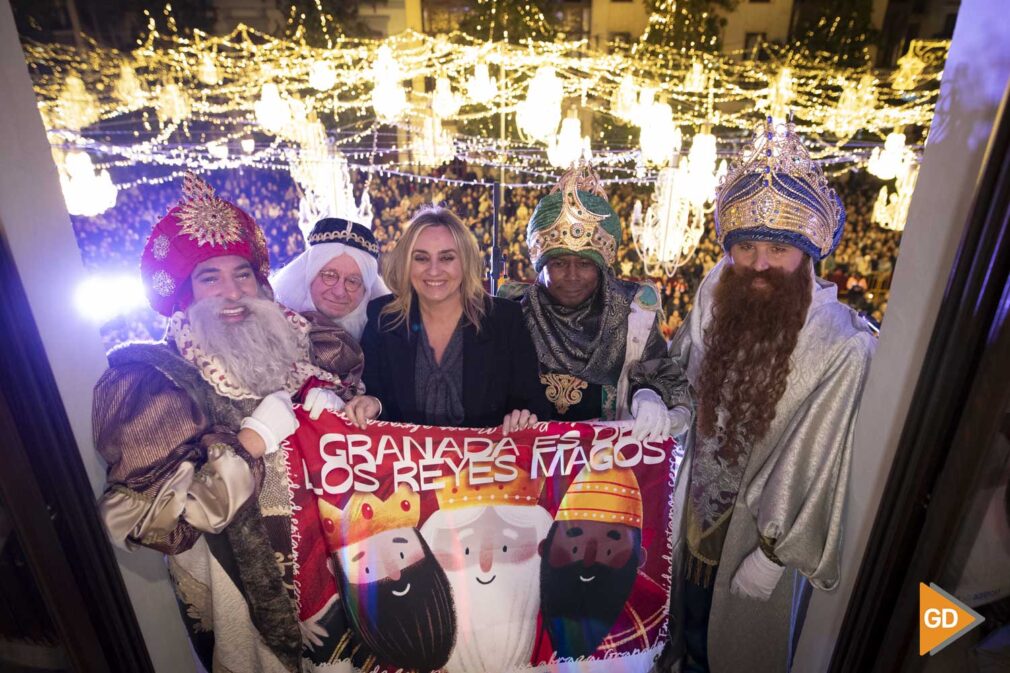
(258, 353)
(495, 624)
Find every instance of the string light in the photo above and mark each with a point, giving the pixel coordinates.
(303, 97)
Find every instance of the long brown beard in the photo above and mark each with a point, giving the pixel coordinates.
(748, 345)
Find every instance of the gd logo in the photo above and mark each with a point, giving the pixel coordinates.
(942, 619)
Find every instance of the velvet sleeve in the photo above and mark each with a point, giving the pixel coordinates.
(336, 351)
(798, 498)
(657, 371)
(171, 476)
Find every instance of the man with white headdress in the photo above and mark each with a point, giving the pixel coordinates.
(336, 276)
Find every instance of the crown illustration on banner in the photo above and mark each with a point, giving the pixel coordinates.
(776, 192)
(523, 490)
(610, 495)
(365, 514)
(576, 228)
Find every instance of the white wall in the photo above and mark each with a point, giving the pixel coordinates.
(34, 220)
(975, 78)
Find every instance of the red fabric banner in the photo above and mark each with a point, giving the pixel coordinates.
(425, 548)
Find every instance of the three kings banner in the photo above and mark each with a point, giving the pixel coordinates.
(462, 550)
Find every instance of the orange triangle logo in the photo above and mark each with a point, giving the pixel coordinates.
(942, 619)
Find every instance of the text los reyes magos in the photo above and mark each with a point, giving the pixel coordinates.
(352, 461)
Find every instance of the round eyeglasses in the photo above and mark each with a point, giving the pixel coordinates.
(352, 283)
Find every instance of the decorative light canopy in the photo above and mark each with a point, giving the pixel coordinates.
(432, 145)
(481, 88)
(671, 228)
(891, 209)
(569, 145)
(340, 98)
(87, 192)
(389, 99)
(539, 114)
(892, 160)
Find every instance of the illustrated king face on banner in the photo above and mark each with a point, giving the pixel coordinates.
(590, 559)
(395, 593)
(486, 538)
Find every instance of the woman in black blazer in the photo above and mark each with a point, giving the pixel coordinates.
(439, 350)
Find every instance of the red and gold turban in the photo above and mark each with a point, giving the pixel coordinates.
(200, 227)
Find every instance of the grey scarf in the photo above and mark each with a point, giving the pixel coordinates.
(586, 341)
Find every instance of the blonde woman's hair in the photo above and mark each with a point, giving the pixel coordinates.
(396, 266)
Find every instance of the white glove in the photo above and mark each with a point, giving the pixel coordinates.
(273, 420)
(680, 420)
(756, 577)
(320, 399)
(649, 412)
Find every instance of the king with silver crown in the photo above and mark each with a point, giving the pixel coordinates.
(601, 352)
(776, 364)
(775, 192)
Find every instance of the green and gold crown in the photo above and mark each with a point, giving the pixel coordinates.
(575, 218)
(776, 192)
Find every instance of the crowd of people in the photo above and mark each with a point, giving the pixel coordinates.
(861, 266)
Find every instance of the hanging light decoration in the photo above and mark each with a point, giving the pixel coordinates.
(890, 211)
(569, 144)
(539, 114)
(660, 138)
(431, 145)
(444, 101)
(906, 77)
(389, 99)
(273, 112)
(481, 88)
(322, 76)
(76, 107)
(305, 128)
(86, 192)
(324, 178)
(128, 88)
(781, 93)
(624, 100)
(889, 162)
(669, 233)
(696, 80)
(248, 144)
(646, 99)
(218, 149)
(207, 72)
(173, 104)
(702, 175)
(365, 212)
(854, 108)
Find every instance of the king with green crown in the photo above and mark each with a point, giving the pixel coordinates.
(601, 352)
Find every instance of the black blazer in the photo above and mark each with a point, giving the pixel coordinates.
(500, 370)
